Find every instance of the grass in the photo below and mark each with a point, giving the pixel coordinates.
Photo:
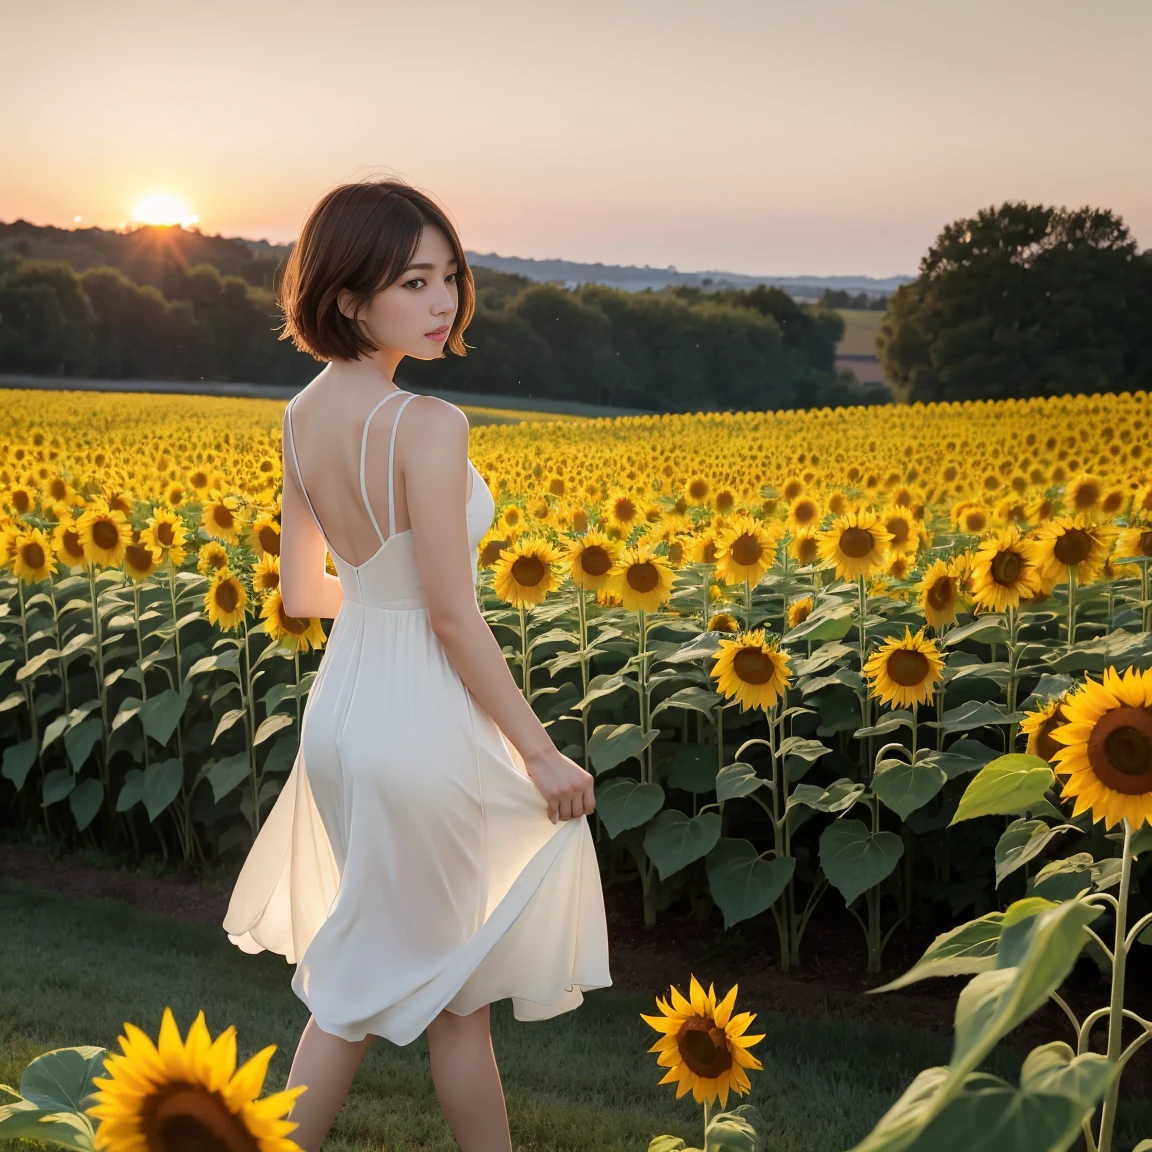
(76, 969)
(860, 328)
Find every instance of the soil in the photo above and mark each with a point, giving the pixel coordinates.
(829, 984)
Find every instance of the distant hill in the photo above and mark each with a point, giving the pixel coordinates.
(143, 252)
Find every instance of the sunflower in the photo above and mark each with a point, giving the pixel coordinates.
(703, 1046)
(1005, 571)
(1108, 747)
(799, 611)
(751, 671)
(702, 547)
(804, 548)
(1084, 494)
(1067, 542)
(902, 527)
(904, 671)
(492, 543)
(856, 544)
(641, 578)
(218, 517)
(140, 560)
(302, 633)
(165, 531)
(970, 517)
(188, 1094)
(804, 515)
(527, 571)
(1135, 540)
(590, 557)
(939, 590)
(35, 559)
(745, 550)
(226, 599)
(1039, 725)
(104, 534)
(623, 512)
(266, 573)
(697, 490)
(264, 535)
(723, 622)
(512, 519)
(211, 557)
(67, 544)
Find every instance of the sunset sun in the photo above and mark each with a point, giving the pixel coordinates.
(163, 208)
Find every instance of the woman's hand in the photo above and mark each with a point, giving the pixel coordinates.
(563, 783)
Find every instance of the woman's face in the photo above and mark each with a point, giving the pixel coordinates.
(425, 298)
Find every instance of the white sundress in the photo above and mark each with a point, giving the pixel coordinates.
(409, 864)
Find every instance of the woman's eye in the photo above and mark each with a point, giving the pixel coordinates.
(455, 276)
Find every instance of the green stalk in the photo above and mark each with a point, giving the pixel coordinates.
(1116, 1006)
(1013, 627)
(524, 674)
(747, 604)
(29, 699)
(1071, 606)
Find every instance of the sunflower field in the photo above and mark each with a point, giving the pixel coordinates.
(785, 643)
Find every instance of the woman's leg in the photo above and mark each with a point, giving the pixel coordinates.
(468, 1082)
(326, 1064)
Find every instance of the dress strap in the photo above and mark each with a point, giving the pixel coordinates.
(363, 457)
(391, 446)
(296, 464)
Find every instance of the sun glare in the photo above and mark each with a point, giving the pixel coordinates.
(163, 208)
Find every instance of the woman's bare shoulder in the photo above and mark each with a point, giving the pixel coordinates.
(436, 421)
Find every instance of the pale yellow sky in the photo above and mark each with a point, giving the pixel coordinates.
(759, 136)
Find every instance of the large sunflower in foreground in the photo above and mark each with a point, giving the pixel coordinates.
(1005, 570)
(590, 557)
(1067, 542)
(525, 573)
(750, 670)
(1107, 751)
(1039, 725)
(856, 544)
(35, 559)
(104, 533)
(177, 1095)
(905, 670)
(641, 578)
(297, 632)
(745, 550)
(704, 1046)
(226, 599)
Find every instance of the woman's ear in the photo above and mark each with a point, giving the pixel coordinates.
(344, 303)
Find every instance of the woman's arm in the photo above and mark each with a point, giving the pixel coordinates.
(306, 587)
(433, 454)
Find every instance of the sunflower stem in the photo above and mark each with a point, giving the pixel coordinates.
(523, 650)
(747, 604)
(645, 714)
(1116, 1006)
(1013, 627)
(1072, 613)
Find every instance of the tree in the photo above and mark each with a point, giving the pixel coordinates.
(1022, 300)
(45, 319)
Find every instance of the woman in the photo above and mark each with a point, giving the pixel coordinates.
(429, 852)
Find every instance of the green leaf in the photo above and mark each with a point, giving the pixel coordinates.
(228, 774)
(674, 839)
(612, 744)
(963, 756)
(132, 791)
(602, 685)
(162, 781)
(904, 787)
(160, 714)
(270, 725)
(973, 714)
(740, 1130)
(839, 796)
(742, 884)
(18, 759)
(1054, 1069)
(1006, 785)
(825, 623)
(57, 784)
(735, 780)
(625, 803)
(61, 1080)
(80, 739)
(962, 951)
(889, 722)
(1022, 841)
(85, 800)
(855, 859)
(689, 767)
(987, 627)
(24, 1121)
(697, 699)
(232, 716)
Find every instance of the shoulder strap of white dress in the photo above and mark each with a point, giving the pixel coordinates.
(363, 460)
(296, 464)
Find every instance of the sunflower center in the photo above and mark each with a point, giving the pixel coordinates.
(222, 515)
(746, 549)
(1074, 547)
(704, 1048)
(1046, 746)
(527, 571)
(625, 510)
(804, 512)
(1145, 548)
(105, 535)
(1120, 750)
(642, 577)
(292, 624)
(138, 556)
(165, 534)
(72, 543)
(270, 540)
(753, 665)
(856, 542)
(698, 489)
(190, 1119)
(595, 560)
(940, 594)
(226, 596)
(808, 551)
(898, 526)
(1005, 568)
(33, 554)
(907, 667)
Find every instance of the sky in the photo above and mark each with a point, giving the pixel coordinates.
(829, 137)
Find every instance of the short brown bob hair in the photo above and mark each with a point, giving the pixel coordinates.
(361, 237)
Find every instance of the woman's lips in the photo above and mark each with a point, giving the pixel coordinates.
(439, 334)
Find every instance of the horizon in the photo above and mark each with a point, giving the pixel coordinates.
(755, 139)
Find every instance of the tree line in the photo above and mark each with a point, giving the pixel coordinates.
(674, 350)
